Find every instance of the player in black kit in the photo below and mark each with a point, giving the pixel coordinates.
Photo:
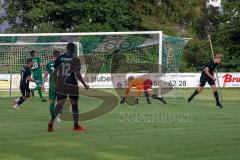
(67, 73)
(24, 83)
(208, 76)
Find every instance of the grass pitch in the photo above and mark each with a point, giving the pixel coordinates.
(196, 131)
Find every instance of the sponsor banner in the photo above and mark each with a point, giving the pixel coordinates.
(230, 79)
(182, 80)
(189, 80)
(4, 81)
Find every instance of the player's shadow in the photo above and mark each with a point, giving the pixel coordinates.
(108, 103)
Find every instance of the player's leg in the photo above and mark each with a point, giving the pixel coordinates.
(139, 93)
(52, 115)
(154, 96)
(25, 91)
(38, 87)
(147, 86)
(147, 97)
(215, 93)
(196, 92)
(54, 110)
(203, 81)
(149, 92)
(19, 102)
(52, 99)
(61, 99)
(75, 113)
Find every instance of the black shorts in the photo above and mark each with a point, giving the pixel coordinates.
(71, 91)
(204, 79)
(64, 96)
(25, 90)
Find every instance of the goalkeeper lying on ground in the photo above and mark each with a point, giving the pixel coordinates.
(141, 84)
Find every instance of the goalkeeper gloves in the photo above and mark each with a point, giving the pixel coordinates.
(38, 81)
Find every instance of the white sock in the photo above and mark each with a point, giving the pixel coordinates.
(16, 100)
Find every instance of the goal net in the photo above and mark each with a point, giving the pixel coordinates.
(107, 58)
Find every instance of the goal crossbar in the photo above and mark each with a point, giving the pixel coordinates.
(79, 34)
(26, 43)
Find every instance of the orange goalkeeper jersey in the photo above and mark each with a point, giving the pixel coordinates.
(137, 83)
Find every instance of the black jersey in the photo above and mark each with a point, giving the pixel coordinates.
(66, 65)
(25, 72)
(211, 65)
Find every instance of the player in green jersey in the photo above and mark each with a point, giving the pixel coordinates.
(37, 74)
(49, 69)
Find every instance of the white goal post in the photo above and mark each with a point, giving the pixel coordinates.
(140, 48)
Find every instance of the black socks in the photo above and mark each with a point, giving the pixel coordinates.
(159, 98)
(147, 97)
(75, 114)
(193, 95)
(21, 100)
(216, 96)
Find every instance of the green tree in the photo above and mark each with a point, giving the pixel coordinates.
(228, 35)
(186, 18)
(74, 15)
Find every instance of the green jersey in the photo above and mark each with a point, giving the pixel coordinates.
(36, 68)
(50, 69)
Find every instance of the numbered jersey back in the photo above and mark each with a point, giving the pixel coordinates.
(66, 67)
(36, 64)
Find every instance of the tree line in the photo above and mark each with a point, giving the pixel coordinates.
(185, 18)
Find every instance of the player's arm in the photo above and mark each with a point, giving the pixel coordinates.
(76, 66)
(206, 71)
(125, 94)
(57, 62)
(214, 73)
(80, 78)
(127, 91)
(29, 78)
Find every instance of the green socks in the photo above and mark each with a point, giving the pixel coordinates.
(39, 89)
(52, 112)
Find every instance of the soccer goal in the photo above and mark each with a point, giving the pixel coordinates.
(107, 58)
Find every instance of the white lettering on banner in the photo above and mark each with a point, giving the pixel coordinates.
(106, 80)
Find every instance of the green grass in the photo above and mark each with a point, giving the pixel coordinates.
(210, 134)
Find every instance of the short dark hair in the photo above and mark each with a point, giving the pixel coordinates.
(71, 47)
(56, 52)
(29, 60)
(32, 51)
(130, 78)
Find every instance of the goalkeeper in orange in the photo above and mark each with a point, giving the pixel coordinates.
(141, 84)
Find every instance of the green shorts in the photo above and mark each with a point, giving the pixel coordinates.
(52, 93)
